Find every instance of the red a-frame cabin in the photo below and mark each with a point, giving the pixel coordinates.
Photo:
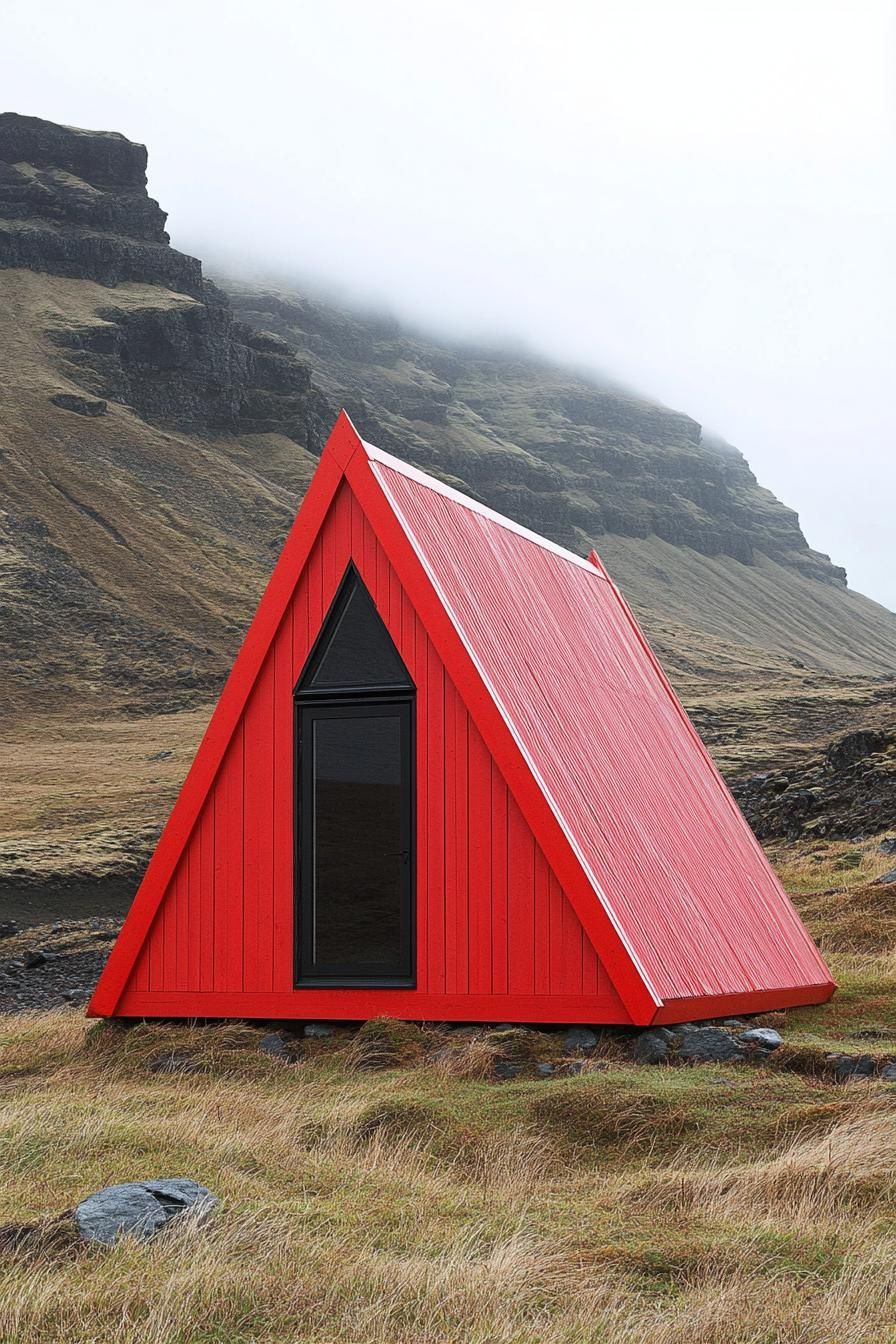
(448, 780)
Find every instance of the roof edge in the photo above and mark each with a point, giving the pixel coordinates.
(377, 455)
(339, 450)
(740, 1002)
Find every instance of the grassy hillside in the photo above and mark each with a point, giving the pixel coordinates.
(426, 1203)
(156, 438)
(132, 555)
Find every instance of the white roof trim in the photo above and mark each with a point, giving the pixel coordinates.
(395, 464)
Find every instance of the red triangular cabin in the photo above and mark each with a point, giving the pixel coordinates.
(448, 780)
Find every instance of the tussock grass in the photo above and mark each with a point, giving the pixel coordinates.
(835, 1192)
(595, 1119)
(464, 1058)
(385, 1189)
(418, 1203)
(852, 1168)
(818, 869)
(384, 1042)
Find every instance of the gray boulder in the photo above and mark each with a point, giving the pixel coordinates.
(847, 1067)
(766, 1037)
(651, 1047)
(140, 1208)
(317, 1029)
(580, 1038)
(69, 401)
(888, 1072)
(707, 1044)
(887, 878)
(272, 1043)
(888, 845)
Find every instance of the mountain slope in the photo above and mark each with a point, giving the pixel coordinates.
(130, 555)
(690, 535)
(578, 457)
(156, 437)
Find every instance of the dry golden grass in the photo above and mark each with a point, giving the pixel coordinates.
(825, 867)
(52, 825)
(414, 1204)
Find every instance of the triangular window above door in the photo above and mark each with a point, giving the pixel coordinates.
(354, 650)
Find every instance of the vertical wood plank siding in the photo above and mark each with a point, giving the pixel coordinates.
(491, 918)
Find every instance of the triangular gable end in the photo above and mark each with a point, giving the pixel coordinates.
(345, 457)
(342, 443)
(629, 980)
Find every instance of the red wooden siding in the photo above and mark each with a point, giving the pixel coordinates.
(496, 935)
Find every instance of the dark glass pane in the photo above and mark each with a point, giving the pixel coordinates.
(356, 648)
(359, 863)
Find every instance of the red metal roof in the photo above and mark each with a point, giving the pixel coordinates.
(664, 846)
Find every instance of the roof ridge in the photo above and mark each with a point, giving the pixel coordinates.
(378, 455)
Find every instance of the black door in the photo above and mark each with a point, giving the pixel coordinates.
(354, 803)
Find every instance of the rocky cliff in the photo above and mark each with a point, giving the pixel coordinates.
(562, 453)
(156, 434)
(74, 202)
(568, 456)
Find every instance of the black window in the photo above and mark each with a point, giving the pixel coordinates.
(354, 801)
(355, 650)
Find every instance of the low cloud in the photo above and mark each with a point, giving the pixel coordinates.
(697, 199)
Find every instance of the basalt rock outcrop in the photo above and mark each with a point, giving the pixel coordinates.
(846, 792)
(74, 203)
(109, 259)
(192, 366)
(562, 453)
(157, 432)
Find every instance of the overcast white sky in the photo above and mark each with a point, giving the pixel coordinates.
(696, 196)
